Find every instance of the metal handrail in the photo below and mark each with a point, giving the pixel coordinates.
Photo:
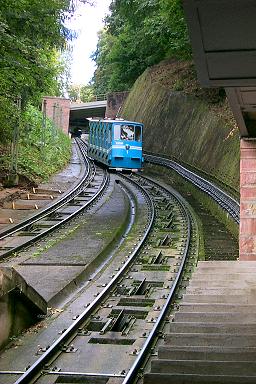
(227, 202)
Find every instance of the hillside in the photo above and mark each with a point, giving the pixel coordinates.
(186, 122)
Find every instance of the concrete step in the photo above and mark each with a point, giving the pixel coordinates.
(215, 307)
(200, 327)
(219, 276)
(212, 317)
(222, 264)
(210, 339)
(204, 283)
(165, 378)
(213, 336)
(226, 271)
(220, 291)
(204, 367)
(220, 299)
(206, 353)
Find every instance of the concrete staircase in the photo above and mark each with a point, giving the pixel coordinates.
(212, 339)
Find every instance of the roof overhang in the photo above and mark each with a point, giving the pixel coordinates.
(223, 41)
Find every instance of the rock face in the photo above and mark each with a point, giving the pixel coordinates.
(186, 128)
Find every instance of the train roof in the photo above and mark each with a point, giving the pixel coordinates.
(112, 120)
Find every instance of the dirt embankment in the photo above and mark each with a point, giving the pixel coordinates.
(185, 121)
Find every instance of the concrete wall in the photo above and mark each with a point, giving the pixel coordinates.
(58, 109)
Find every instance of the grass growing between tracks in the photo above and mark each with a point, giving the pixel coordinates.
(42, 150)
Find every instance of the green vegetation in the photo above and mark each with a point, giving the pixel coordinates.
(138, 34)
(42, 151)
(84, 93)
(33, 62)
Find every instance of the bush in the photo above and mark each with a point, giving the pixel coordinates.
(41, 152)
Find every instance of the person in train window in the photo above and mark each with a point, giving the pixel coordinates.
(127, 132)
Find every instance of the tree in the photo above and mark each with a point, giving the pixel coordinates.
(32, 37)
(81, 93)
(138, 34)
(74, 92)
(87, 93)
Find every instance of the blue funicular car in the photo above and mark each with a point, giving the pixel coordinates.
(116, 143)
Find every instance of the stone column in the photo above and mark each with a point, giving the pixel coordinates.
(115, 103)
(58, 109)
(247, 240)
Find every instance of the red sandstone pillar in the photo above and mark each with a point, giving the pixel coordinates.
(58, 109)
(247, 238)
(115, 102)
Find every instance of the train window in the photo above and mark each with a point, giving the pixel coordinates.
(117, 128)
(137, 133)
(91, 134)
(104, 135)
(127, 132)
(109, 133)
(100, 135)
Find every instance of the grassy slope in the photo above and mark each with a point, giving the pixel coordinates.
(185, 122)
(41, 151)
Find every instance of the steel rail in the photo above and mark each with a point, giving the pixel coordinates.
(227, 202)
(134, 370)
(38, 366)
(61, 222)
(46, 231)
(58, 204)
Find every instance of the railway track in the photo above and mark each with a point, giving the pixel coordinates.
(90, 187)
(210, 337)
(125, 315)
(228, 203)
(130, 310)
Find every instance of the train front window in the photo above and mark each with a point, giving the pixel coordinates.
(117, 132)
(137, 133)
(127, 132)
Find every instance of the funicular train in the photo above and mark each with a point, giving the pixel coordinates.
(116, 143)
